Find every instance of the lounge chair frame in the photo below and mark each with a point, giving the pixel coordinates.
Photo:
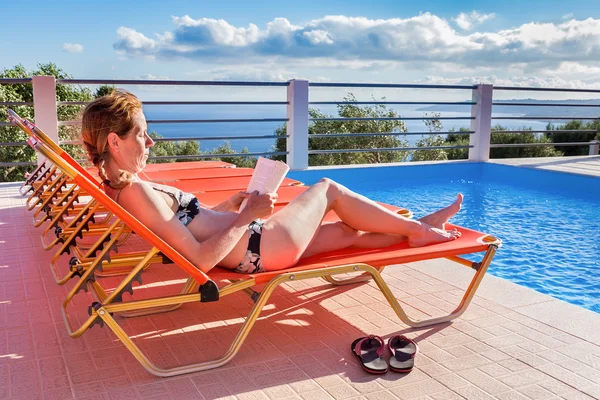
(111, 303)
(328, 267)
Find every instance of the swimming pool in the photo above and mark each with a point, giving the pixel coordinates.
(548, 221)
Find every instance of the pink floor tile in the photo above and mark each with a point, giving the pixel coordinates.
(299, 348)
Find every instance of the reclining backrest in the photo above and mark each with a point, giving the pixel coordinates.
(34, 131)
(93, 190)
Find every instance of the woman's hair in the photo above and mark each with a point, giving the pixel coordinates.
(114, 112)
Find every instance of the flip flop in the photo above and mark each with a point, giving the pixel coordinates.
(403, 352)
(369, 352)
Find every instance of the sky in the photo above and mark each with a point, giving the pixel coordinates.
(525, 43)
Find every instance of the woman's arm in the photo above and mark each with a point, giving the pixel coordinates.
(231, 204)
(149, 207)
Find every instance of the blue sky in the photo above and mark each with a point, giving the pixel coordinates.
(551, 43)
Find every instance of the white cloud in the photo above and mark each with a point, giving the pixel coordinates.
(569, 68)
(218, 31)
(318, 36)
(154, 77)
(132, 42)
(531, 81)
(250, 74)
(330, 63)
(259, 72)
(72, 48)
(425, 38)
(468, 21)
(567, 16)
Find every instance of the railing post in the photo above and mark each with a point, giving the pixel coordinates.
(297, 125)
(482, 124)
(594, 147)
(44, 106)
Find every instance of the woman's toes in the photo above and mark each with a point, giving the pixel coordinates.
(458, 203)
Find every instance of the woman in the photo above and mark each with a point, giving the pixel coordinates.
(115, 136)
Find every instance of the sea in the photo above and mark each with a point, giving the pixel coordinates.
(233, 129)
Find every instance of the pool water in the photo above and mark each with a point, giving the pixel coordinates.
(548, 221)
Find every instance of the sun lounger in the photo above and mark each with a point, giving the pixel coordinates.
(173, 166)
(369, 262)
(220, 184)
(186, 174)
(44, 167)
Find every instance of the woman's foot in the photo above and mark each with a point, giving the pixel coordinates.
(439, 218)
(432, 230)
(427, 234)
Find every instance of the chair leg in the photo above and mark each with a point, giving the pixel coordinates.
(104, 311)
(458, 311)
(105, 314)
(364, 277)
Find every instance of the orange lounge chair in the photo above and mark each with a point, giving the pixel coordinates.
(83, 223)
(66, 234)
(200, 173)
(220, 184)
(43, 168)
(47, 186)
(370, 262)
(59, 198)
(57, 203)
(212, 198)
(177, 176)
(187, 165)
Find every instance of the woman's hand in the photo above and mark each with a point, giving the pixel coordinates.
(259, 205)
(236, 200)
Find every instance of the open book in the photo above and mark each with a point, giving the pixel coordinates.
(267, 177)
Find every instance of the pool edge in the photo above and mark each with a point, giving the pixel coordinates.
(570, 318)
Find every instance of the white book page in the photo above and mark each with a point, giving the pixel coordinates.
(267, 177)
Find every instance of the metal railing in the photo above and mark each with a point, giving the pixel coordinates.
(375, 134)
(298, 120)
(9, 81)
(593, 145)
(53, 131)
(196, 121)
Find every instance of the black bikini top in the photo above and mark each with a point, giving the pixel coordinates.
(188, 206)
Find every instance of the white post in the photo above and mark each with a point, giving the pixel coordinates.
(297, 125)
(482, 124)
(44, 106)
(594, 147)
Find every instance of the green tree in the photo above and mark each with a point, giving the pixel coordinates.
(458, 139)
(239, 161)
(24, 93)
(567, 137)
(518, 136)
(433, 125)
(103, 90)
(192, 148)
(352, 142)
(521, 136)
(163, 148)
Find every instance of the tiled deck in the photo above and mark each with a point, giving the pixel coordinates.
(512, 343)
(582, 165)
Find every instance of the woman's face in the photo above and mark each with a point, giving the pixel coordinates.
(133, 150)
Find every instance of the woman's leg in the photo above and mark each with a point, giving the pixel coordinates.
(287, 234)
(338, 235)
